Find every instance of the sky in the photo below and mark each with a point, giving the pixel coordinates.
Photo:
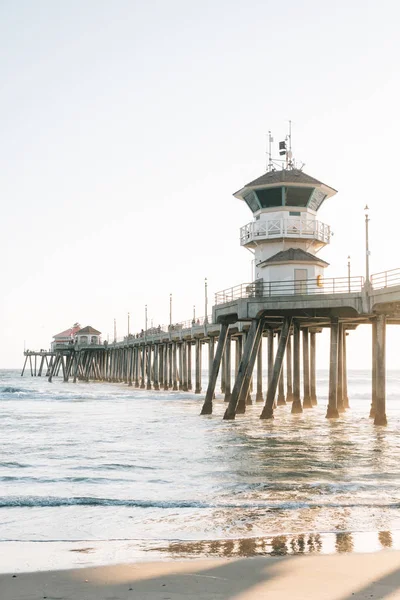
(127, 126)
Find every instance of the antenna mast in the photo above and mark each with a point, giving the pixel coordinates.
(289, 162)
(270, 165)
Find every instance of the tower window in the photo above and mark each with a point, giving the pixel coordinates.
(270, 197)
(317, 199)
(297, 196)
(252, 201)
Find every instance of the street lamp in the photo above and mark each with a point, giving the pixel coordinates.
(205, 301)
(194, 314)
(115, 331)
(170, 311)
(367, 253)
(128, 323)
(145, 317)
(348, 273)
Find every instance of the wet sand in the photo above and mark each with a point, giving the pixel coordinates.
(327, 577)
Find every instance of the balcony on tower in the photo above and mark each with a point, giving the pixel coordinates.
(287, 227)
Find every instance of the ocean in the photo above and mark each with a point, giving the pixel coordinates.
(100, 472)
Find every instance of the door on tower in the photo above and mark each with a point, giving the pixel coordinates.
(300, 281)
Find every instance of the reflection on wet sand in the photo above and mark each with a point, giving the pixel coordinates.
(385, 538)
(310, 543)
(344, 542)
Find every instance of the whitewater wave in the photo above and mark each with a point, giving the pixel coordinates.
(45, 502)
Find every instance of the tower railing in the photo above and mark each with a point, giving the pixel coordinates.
(287, 289)
(289, 227)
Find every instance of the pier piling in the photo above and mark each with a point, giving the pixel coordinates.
(296, 404)
(259, 392)
(313, 371)
(380, 408)
(268, 410)
(253, 333)
(207, 406)
(332, 412)
(228, 366)
(306, 370)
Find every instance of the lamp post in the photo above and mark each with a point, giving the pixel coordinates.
(115, 331)
(170, 311)
(205, 301)
(129, 316)
(366, 209)
(194, 314)
(145, 318)
(348, 273)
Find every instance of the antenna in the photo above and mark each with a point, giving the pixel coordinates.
(270, 165)
(289, 155)
(285, 149)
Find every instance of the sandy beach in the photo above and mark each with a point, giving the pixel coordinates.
(335, 577)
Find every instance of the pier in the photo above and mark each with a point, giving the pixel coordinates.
(258, 325)
(273, 320)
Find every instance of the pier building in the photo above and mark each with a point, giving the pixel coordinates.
(275, 316)
(60, 340)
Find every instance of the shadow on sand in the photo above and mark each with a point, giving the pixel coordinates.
(339, 577)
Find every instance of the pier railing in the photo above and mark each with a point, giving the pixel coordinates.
(165, 329)
(385, 279)
(306, 287)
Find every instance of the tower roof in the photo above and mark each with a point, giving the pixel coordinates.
(293, 255)
(90, 330)
(287, 187)
(284, 176)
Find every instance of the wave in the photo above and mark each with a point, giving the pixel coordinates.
(113, 467)
(55, 502)
(14, 464)
(14, 390)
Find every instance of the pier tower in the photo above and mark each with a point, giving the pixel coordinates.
(285, 234)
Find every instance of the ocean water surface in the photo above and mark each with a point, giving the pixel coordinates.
(110, 472)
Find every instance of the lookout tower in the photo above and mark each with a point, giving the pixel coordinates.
(285, 235)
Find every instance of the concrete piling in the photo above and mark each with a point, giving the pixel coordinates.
(313, 370)
(332, 412)
(296, 404)
(228, 367)
(253, 333)
(207, 406)
(380, 408)
(306, 370)
(268, 410)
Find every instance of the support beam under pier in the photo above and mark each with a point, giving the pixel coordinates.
(268, 410)
(207, 406)
(243, 375)
(306, 371)
(259, 393)
(296, 406)
(198, 367)
(380, 411)
(332, 412)
(228, 367)
(313, 371)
